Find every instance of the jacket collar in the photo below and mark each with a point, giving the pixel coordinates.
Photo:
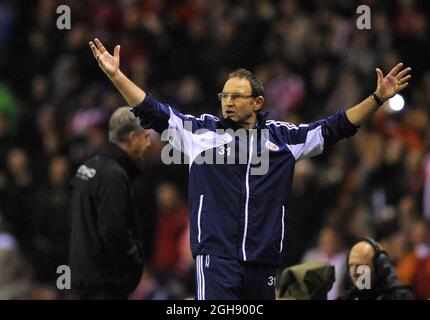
(113, 151)
(230, 124)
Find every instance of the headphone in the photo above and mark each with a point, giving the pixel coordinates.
(381, 261)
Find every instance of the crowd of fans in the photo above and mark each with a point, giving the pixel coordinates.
(312, 59)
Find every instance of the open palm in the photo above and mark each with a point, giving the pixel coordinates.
(395, 81)
(108, 63)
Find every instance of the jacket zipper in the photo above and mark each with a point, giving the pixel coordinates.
(247, 197)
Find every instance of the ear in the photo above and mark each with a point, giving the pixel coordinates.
(131, 137)
(259, 101)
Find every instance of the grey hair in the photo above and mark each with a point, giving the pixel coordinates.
(121, 123)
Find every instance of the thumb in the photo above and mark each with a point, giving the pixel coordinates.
(379, 75)
(116, 51)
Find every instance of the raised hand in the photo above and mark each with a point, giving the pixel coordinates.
(395, 81)
(108, 63)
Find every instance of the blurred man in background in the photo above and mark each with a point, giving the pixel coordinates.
(106, 258)
(384, 283)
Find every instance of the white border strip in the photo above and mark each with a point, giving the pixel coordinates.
(199, 216)
(283, 226)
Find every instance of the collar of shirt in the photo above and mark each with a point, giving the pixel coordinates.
(260, 123)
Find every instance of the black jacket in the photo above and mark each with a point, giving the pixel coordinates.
(105, 253)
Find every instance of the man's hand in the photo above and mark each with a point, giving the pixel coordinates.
(108, 63)
(395, 81)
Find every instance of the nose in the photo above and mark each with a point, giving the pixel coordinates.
(228, 102)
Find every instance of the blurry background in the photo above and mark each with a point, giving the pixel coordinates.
(55, 103)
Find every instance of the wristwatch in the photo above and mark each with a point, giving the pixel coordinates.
(377, 99)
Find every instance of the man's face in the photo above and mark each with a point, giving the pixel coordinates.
(238, 103)
(139, 142)
(361, 255)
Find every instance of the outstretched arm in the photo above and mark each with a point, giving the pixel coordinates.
(395, 81)
(110, 66)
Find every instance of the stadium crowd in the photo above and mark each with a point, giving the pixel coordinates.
(312, 59)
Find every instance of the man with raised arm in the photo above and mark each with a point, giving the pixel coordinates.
(237, 214)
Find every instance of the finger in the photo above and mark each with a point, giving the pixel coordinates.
(401, 87)
(100, 46)
(404, 79)
(94, 50)
(116, 52)
(396, 69)
(403, 73)
(392, 80)
(379, 74)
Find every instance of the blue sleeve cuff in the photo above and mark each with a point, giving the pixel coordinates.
(337, 127)
(348, 124)
(152, 114)
(144, 108)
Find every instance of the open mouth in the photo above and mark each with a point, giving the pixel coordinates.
(229, 113)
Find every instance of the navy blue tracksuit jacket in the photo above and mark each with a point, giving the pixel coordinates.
(233, 212)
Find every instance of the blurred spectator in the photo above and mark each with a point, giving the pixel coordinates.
(14, 276)
(8, 103)
(5, 139)
(414, 269)
(172, 222)
(385, 182)
(19, 201)
(396, 246)
(331, 250)
(346, 92)
(378, 279)
(360, 57)
(426, 193)
(51, 224)
(284, 92)
(360, 222)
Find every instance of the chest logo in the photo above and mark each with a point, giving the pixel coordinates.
(85, 172)
(271, 146)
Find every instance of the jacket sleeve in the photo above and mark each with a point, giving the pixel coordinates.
(114, 207)
(311, 139)
(175, 127)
